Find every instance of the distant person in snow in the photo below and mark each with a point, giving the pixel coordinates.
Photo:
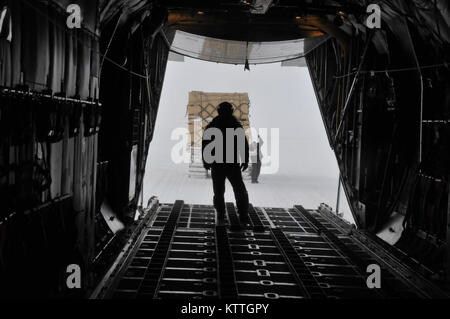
(225, 151)
(256, 159)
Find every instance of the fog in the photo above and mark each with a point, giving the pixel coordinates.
(280, 97)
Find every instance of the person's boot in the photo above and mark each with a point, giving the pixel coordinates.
(244, 218)
(220, 218)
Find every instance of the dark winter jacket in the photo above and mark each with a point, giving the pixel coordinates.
(222, 122)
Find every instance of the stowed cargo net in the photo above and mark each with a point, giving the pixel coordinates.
(201, 109)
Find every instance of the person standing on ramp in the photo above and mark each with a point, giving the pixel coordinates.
(225, 151)
(256, 159)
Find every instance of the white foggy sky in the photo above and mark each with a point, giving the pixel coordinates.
(280, 97)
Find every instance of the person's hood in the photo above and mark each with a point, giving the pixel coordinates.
(225, 121)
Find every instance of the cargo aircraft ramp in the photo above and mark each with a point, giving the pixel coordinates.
(181, 251)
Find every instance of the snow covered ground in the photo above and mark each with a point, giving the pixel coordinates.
(281, 98)
(272, 191)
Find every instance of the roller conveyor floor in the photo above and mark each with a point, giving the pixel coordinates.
(181, 252)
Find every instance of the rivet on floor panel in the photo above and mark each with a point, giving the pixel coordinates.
(209, 280)
(262, 272)
(259, 262)
(209, 293)
(266, 282)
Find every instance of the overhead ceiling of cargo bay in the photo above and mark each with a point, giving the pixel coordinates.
(237, 52)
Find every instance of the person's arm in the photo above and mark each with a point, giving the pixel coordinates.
(205, 142)
(246, 151)
(246, 158)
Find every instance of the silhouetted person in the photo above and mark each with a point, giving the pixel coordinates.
(225, 152)
(256, 159)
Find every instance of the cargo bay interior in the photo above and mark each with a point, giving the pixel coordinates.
(78, 105)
